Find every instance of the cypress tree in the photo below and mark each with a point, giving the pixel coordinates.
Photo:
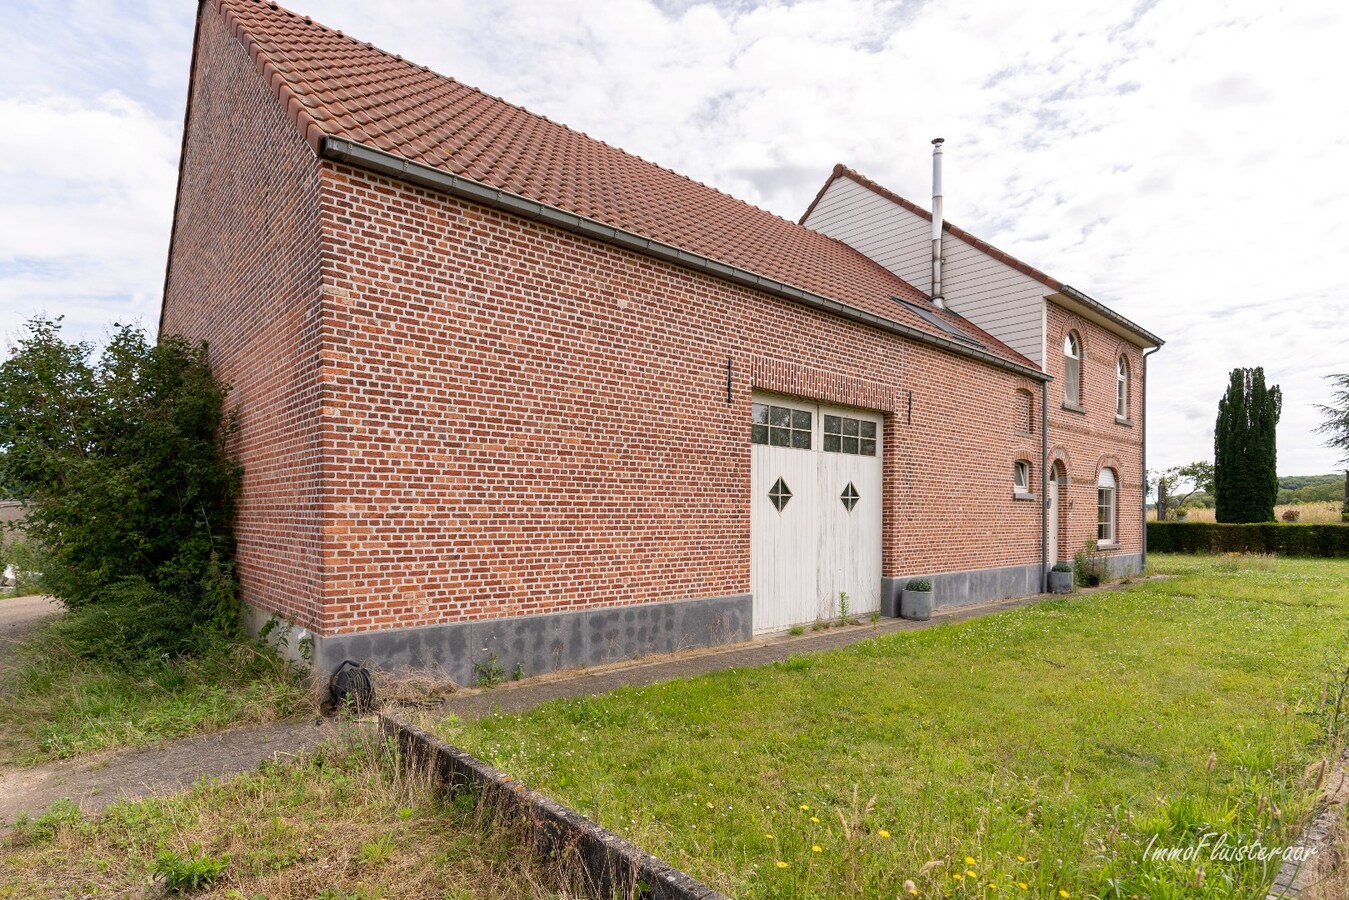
(1246, 481)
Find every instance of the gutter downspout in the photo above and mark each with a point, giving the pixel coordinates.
(1144, 410)
(1044, 487)
(937, 299)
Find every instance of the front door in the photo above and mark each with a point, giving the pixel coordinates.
(815, 512)
(1052, 516)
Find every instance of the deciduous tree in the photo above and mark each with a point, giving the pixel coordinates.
(129, 492)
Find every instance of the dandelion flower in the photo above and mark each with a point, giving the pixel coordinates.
(815, 819)
(1021, 859)
(957, 876)
(884, 834)
(969, 860)
(971, 873)
(1064, 894)
(781, 864)
(816, 848)
(805, 807)
(1022, 885)
(769, 836)
(993, 885)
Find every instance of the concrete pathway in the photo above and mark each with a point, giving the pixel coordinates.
(517, 697)
(94, 781)
(18, 616)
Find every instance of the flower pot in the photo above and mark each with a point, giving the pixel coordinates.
(1093, 581)
(915, 604)
(1060, 582)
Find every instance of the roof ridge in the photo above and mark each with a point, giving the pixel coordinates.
(242, 33)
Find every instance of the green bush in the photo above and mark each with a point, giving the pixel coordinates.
(918, 584)
(1264, 537)
(119, 457)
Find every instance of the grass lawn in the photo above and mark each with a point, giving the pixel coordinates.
(341, 824)
(1035, 752)
(59, 705)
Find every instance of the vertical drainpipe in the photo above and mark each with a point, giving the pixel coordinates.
(1143, 411)
(937, 299)
(1044, 487)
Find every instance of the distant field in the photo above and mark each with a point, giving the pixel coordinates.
(1308, 513)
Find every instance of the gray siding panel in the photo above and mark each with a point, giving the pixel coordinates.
(994, 296)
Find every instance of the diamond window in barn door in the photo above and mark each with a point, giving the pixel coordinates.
(850, 497)
(780, 494)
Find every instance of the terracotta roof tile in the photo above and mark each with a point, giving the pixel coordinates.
(331, 84)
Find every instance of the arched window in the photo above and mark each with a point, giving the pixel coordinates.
(1122, 387)
(1072, 369)
(1106, 489)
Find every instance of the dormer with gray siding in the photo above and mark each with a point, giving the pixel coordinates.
(997, 292)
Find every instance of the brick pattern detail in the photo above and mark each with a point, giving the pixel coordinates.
(524, 420)
(800, 381)
(1083, 443)
(244, 276)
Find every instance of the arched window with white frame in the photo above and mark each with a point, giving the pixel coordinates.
(1122, 387)
(1107, 490)
(1072, 369)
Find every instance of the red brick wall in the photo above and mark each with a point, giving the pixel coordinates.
(245, 277)
(522, 420)
(1087, 441)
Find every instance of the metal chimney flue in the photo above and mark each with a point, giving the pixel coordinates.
(937, 299)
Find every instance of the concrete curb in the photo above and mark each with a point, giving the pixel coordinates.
(614, 867)
(1316, 857)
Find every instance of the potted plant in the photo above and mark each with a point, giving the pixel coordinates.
(1061, 578)
(915, 600)
(1089, 566)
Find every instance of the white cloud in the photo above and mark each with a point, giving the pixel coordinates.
(1182, 162)
(86, 195)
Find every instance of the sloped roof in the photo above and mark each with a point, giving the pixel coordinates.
(842, 171)
(333, 86)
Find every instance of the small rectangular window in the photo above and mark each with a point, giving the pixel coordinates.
(1021, 477)
(844, 434)
(780, 426)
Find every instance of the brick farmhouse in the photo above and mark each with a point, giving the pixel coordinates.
(508, 393)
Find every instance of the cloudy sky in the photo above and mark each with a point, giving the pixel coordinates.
(1185, 162)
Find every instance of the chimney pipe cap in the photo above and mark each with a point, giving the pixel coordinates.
(939, 140)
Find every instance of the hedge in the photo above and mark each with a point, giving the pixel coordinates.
(1267, 537)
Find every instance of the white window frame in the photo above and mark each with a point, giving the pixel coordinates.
(1072, 369)
(1107, 508)
(1021, 476)
(1122, 387)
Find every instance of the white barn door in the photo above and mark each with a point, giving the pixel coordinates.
(815, 512)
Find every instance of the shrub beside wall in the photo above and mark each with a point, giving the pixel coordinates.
(1267, 537)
